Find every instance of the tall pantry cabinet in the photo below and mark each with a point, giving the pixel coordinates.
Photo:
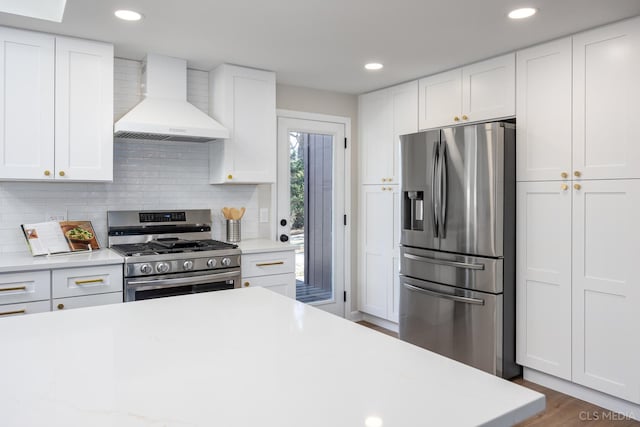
(579, 194)
(384, 115)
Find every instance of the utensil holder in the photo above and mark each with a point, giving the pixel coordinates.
(233, 230)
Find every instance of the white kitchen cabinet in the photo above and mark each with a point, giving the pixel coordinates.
(244, 101)
(25, 287)
(86, 301)
(478, 92)
(69, 282)
(272, 270)
(606, 287)
(56, 109)
(20, 309)
(84, 110)
(384, 116)
(543, 112)
(543, 277)
(606, 90)
(27, 105)
(379, 229)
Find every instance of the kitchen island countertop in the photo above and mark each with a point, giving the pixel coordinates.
(237, 358)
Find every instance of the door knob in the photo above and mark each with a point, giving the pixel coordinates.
(246, 284)
(564, 175)
(456, 119)
(577, 174)
(61, 173)
(284, 238)
(47, 173)
(283, 222)
(564, 187)
(465, 117)
(577, 186)
(60, 306)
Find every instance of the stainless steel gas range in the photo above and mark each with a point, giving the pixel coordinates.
(170, 253)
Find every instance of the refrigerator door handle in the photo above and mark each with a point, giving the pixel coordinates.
(455, 298)
(457, 264)
(443, 189)
(434, 183)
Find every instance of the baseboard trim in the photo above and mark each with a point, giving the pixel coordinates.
(623, 407)
(355, 316)
(383, 323)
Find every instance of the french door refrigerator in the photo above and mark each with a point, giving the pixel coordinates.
(457, 259)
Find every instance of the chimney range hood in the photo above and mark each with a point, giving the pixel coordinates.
(164, 114)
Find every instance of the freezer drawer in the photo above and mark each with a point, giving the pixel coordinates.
(463, 325)
(476, 273)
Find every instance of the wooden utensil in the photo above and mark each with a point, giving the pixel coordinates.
(242, 211)
(226, 213)
(235, 213)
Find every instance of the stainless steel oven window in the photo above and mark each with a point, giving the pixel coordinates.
(140, 288)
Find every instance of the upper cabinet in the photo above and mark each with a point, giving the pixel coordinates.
(544, 112)
(384, 116)
(478, 92)
(84, 110)
(606, 90)
(244, 101)
(27, 104)
(56, 114)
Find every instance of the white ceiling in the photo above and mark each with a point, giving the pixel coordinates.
(324, 43)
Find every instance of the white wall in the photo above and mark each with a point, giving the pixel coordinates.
(147, 175)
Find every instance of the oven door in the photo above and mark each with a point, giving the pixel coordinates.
(148, 287)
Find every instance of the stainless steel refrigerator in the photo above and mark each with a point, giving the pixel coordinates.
(457, 260)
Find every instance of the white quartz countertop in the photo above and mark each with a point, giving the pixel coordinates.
(24, 261)
(237, 358)
(263, 245)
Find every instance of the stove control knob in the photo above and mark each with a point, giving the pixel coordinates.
(162, 267)
(211, 263)
(146, 269)
(226, 261)
(188, 265)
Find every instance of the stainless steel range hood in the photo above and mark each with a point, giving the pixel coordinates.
(164, 114)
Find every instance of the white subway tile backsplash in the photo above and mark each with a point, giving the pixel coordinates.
(147, 175)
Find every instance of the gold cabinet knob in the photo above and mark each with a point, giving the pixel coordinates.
(564, 175)
(61, 173)
(465, 117)
(456, 119)
(577, 186)
(60, 306)
(47, 173)
(384, 179)
(246, 284)
(229, 176)
(577, 174)
(564, 187)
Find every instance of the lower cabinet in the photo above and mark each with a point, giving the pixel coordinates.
(272, 270)
(379, 242)
(9, 310)
(86, 301)
(578, 291)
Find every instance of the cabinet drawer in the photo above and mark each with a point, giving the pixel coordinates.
(73, 282)
(25, 287)
(86, 301)
(268, 263)
(284, 284)
(11, 310)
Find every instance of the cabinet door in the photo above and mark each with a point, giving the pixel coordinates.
(543, 277)
(393, 301)
(27, 105)
(404, 99)
(606, 89)
(376, 249)
(606, 287)
(244, 102)
(489, 89)
(69, 282)
(544, 112)
(21, 309)
(25, 286)
(86, 301)
(84, 110)
(284, 284)
(440, 99)
(376, 136)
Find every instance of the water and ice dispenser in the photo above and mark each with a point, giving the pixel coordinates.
(413, 210)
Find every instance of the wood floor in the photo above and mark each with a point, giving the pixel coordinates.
(562, 410)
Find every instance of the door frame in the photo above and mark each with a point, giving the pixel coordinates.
(348, 237)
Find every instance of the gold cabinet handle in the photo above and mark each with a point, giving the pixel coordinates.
(246, 284)
(465, 117)
(9, 313)
(577, 186)
(577, 174)
(47, 173)
(564, 175)
(564, 187)
(61, 173)
(15, 288)
(60, 306)
(267, 264)
(229, 176)
(456, 119)
(86, 282)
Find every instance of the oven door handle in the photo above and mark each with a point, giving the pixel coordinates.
(143, 285)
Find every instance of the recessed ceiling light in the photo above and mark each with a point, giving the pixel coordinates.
(373, 66)
(522, 13)
(128, 15)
